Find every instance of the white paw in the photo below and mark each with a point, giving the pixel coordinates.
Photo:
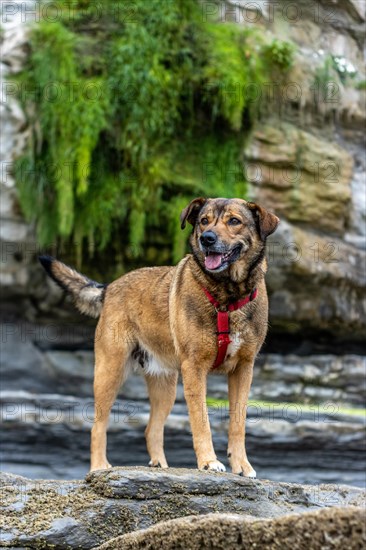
(213, 466)
(252, 473)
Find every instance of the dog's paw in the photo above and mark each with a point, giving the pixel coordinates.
(213, 466)
(101, 466)
(252, 474)
(157, 464)
(244, 469)
(240, 465)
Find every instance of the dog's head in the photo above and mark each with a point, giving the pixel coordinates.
(228, 234)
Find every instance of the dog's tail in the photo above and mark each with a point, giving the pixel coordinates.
(87, 294)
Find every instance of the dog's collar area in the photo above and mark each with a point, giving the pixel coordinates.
(223, 322)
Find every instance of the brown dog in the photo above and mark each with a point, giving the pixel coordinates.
(166, 319)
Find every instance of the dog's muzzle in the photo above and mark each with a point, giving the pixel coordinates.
(218, 260)
(208, 238)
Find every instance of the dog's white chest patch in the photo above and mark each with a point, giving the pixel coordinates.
(234, 345)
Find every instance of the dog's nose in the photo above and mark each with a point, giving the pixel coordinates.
(208, 238)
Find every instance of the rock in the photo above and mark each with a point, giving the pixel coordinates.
(48, 436)
(337, 527)
(15, 25)
(316, 283)
(16, 235)
(303, 178)
(355, 6)
(68, 370)
(292, 377)
(356, 234)
(24, 367)
(114, 502)
(297, 379)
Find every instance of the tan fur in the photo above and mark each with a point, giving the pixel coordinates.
(87, 294)
(163, 313)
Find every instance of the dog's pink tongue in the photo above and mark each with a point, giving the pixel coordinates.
(213, 261)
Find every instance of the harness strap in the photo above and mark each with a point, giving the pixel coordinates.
(223, 323)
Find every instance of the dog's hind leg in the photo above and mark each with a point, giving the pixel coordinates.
(162, 392)
(110, 372)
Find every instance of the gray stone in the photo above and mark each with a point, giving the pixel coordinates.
(23, 366)
(48, 436)
(113, 502)
(359, 6)
(306, 272)
(358, 219)
(291, 175)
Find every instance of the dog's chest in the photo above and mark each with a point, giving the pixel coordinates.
(235, 344)
(240, 337)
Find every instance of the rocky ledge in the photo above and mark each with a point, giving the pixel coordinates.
(135, 507)
(330, 528)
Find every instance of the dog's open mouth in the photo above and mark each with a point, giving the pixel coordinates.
(215, 261)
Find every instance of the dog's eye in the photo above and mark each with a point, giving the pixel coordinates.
(234, 221)
(204, 221)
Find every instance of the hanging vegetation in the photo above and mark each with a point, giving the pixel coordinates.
(133, 117)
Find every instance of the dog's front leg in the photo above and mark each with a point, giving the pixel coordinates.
(194, 381)
(239, 386)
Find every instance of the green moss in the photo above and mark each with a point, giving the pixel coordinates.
(233, 65)
(328, 408)
(361, 85)
(67, 125)
(279, 54)
(133, 115)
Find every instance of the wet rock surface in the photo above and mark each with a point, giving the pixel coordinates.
(299, 405)
(48, 436)
(114, 502)
(46, 362)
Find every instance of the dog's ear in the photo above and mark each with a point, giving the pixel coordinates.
(266, 221)
(190, 212)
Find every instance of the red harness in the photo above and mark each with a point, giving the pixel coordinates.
(223, 325)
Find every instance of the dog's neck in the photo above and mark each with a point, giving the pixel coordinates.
(225, 288)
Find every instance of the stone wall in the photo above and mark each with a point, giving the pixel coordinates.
(306, 160)
(17, 238)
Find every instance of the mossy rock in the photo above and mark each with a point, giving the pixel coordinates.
(335, 528)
